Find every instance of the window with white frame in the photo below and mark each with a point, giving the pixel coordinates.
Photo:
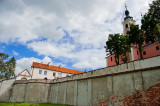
(54, 74)
(40, 71)
(59, 75)
(45, 72)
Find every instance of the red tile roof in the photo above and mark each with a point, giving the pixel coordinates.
(55, 68)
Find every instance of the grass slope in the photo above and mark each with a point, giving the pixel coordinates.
(30, 104)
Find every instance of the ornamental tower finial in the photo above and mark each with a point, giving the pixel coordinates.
(126, 6)
(126, 12)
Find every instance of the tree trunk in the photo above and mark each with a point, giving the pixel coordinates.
(140, 51)
(117, 60)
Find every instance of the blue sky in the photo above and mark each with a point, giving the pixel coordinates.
(71, 33)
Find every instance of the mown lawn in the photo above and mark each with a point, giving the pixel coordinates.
(30, 104)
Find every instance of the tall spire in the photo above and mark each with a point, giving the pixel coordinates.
(126, 6)
(126, 12)
(141, 18)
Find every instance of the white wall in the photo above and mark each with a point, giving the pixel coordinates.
(35, 74)
(24, 74)
(5, 90)
(20, 77)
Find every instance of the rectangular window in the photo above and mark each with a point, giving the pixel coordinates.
(157, 47)
(40, 71)
(59, 75)
(45, 72)
(54, 74)
(144, 53)
(147, 42)
(137, 52)
(111, 58)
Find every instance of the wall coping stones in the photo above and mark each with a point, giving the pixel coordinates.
(133, 66)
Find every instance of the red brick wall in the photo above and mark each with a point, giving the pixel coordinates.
(150, 97)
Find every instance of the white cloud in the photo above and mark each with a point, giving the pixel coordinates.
(85, 58)
(15, 53)
(74, 30)
(24, 63)
(24, 21)
(91, 58)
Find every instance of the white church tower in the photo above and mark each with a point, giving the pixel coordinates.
(128, 20)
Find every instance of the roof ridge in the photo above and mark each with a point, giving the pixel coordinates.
(55, 68)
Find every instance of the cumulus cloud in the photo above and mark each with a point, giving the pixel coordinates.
(74, 30)
(85, 58)
(26, 20)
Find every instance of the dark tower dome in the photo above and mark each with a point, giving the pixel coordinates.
(127, 13)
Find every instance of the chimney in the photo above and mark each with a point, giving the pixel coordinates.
(60, 66)
(41, 62)
(48, 63)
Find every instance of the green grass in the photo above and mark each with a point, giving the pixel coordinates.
(30, 104)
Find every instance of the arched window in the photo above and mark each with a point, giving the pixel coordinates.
(126, 25)
(24, 79)
(45, 78)
(67, 75)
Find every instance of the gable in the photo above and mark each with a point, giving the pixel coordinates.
(25, 73)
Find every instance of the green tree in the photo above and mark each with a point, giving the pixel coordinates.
(118, 45)
(151, 22)
(7, 67)
(136, 36)
(125, 47)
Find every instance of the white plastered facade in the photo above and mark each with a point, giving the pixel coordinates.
(24, 75)
(37, 75)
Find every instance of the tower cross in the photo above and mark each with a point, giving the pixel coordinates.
(126, 6)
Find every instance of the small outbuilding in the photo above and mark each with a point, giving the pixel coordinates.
(24, 75)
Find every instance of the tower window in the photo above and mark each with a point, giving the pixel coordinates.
(111, 58)
(137, 52)
(144, 53)
(126, 25)
(157, 47)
